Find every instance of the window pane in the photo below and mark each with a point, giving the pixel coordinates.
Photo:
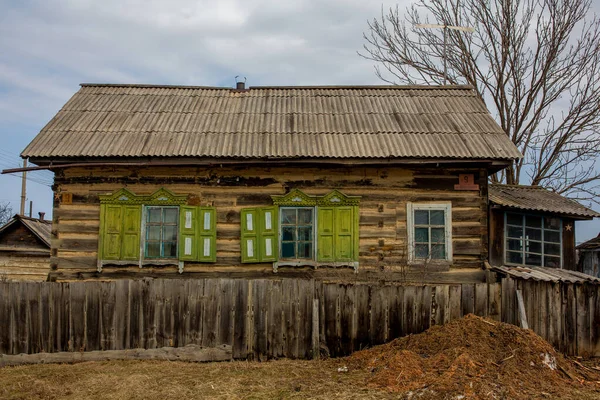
(438, 252)
(153, 232)
(437, 217)
(514, 258)
(288, 233)
(438, 235)
(421, 217)
(515, 244)
(153, 249)
(552, 262)
(305, 233)
(421, 235)
(288, 216)
(552, 223)
(421, 251)
(170, 249)
(153, 214)
(533, 234)
(533, 247)
(552, 236)
(304, 250)
(515, 232)
(533, 259)
(169, 233)
(288, 250)
(533, 221)
(305, 217)
(170, 215)
(514, 219)
(552, 249)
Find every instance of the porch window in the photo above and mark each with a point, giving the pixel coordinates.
(534, 240)
(429, 232)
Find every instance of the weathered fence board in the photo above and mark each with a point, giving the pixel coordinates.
(263, 319)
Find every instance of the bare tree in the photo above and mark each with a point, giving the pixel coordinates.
(5, 213)
(536, 63)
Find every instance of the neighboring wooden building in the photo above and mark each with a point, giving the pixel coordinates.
(589, 257)
(161, 180)
(25, 249)
(531, 226)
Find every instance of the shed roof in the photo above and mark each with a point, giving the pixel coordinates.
(535, 198)
(592, 244)
(40, 228)
(370, 122)
(546, 274)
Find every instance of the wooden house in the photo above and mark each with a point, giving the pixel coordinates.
(533, 227)
(25, 249)
(299, 181)
(589, 257)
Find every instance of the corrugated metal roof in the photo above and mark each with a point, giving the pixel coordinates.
(592, 244)
(41, 229)
(546, 274)
(273, 122)
(535, 198)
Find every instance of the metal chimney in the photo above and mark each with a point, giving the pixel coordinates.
(240, 86)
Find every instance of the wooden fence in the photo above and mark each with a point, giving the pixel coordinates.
(276, 318)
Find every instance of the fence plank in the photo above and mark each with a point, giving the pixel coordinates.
(395, 312)
(377, 322)
(241, 315)
(348, 327)
(455, 302)
(441, 299)
(362, 316)
(494, 301)
(481, 299)
(77, 316)
(570, 315)
(468, 299)
(583, 321)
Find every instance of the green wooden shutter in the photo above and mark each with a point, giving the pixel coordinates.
(268, 238)
(188, 233)
(207, 244)
(112, 232)
(326, 234)
(249, 235)
(344, 239)
(130, 241)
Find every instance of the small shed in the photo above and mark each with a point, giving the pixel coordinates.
(532, 226)
(589, 257)
(25, 249)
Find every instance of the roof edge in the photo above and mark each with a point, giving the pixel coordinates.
(287, 87)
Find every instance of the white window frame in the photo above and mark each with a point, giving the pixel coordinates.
(298, 261)
(410, 223)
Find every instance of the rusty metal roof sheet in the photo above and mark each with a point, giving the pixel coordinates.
(273, 122)
(535, 198)
(546, 274)
(40, 228)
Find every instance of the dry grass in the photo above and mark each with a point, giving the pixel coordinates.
(283, 379)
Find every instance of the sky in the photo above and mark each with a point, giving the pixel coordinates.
(49, 47)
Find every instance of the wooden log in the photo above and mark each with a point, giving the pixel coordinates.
(190, 353)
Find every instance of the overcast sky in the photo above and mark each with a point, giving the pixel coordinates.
(48, 47)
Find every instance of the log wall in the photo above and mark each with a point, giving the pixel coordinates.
(261, 319)
(384, 192)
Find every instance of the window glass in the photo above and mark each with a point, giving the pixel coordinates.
(541, 243)
(161, 232)
(429, 233)
(297, 238)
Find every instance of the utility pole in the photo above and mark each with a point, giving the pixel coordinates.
(445, 27)
(23, 190)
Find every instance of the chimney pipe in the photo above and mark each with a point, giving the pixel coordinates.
(41, 214)
(240, 86)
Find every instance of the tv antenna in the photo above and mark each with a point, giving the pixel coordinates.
(445, 28)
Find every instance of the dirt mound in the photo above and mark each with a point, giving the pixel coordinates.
(475, 358)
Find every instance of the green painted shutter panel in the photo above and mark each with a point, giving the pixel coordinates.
(132, 222)
(249, 235)
(344, 238)
(112, 229)
(207, 251)
(326, 234)
(188, 233)
(268, 237)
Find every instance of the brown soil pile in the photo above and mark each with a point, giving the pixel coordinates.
(474, 358)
